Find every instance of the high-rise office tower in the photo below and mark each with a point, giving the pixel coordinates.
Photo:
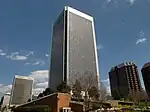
(146, 77)
(73, 49)
(124, 80)
(21, 90)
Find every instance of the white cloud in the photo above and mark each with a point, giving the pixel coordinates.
(36, 91)
(5, 88)
(35, 62)
(117, 1)
(107, 1)
(40, 75)
(131, 1)
(27, 63)
(29, 53)
(106, 82)
(47, 55)
(141, 38)
(40, 80)
(42, 84)
(2, 53)
(108, 89)
(38, 62)
(99, 46)
(16, 56)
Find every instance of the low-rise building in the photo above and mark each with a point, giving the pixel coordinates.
(5, 100)
(57, 102)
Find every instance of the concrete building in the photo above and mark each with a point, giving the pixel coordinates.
(73, 50)
(5, 100)
(146, 77)
(124, 80)
(21, 90)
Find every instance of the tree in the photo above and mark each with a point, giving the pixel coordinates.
(140, 95)
(63, 87)
(77, 89)
(137, 96)
(40, 95)
(13, 108)
(89, 84)
(94, 93)
(88, 81)
(29, 100)
(116, 94)
(4, 109)
(48, 91)
(103, 92)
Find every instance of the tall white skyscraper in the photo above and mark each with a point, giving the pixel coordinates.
(73, 48)
(21, 90)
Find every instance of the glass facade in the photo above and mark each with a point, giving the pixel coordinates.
(81, 46)
(73, 48)
(146, 77)
(56, 67)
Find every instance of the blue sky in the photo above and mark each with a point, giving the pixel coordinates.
(122, 31)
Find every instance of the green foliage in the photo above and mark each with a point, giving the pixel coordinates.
(63, 87)
(40, 95)
(48, 91)
(37, 108)
(12, 108)
(94, 92)
(29, 100)
(116, 94)
(136, 97)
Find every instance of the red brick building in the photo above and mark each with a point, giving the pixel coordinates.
(56, 102)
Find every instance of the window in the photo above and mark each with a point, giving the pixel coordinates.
(66, 110)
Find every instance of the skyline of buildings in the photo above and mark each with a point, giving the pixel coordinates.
(124, 80)
(128, 67)
(73, 49)
(21, 90)
(146, 77)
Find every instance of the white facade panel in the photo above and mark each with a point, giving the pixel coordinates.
(21, 90)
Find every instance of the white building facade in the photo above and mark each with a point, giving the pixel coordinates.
(21, 90)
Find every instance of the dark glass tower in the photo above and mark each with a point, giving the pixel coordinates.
(124, 80)
(73, 48)
(146, 77)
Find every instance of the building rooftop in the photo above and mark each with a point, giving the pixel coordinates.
(79, 13)
(24, 77)
(7, 93)
(146, 65)
(122, 65)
